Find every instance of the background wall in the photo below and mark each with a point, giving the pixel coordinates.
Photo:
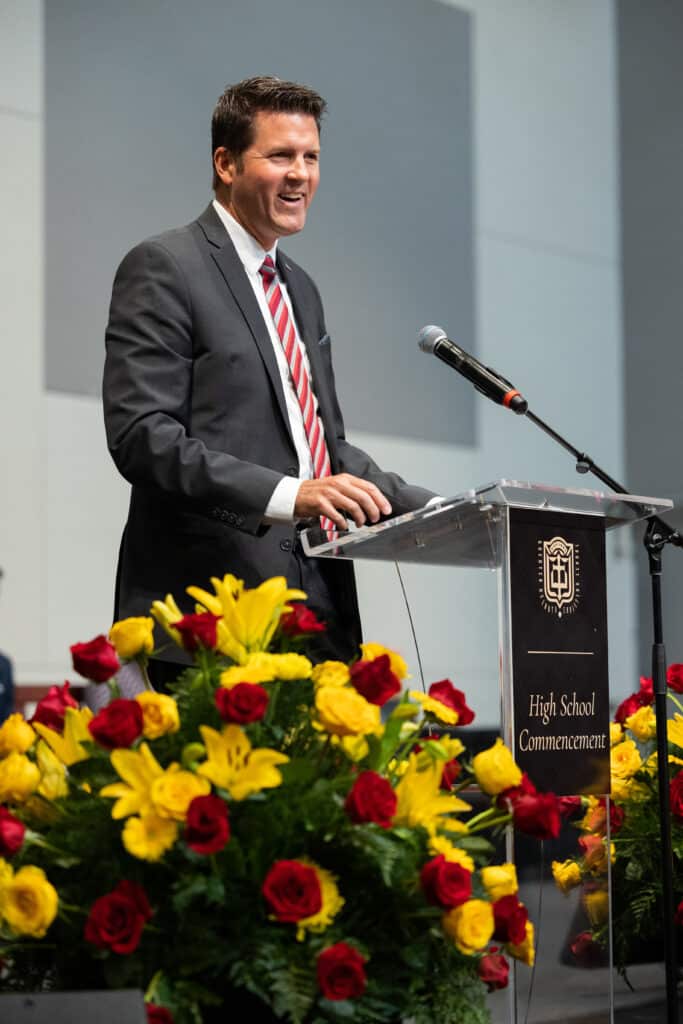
(546, 257)
(651, 153)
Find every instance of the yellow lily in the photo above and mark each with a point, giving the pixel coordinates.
(421, 800)
(69, 746)
(139, 769)
(249, 617)
(166, 612)
(232, 764)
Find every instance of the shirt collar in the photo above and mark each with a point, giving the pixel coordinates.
(248, 249)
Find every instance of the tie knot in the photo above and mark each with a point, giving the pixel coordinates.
(267, 269)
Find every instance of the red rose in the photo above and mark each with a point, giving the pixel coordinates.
(371, 799)
(453, 698)
(292, 890)
(116, 920)
(197, 631)
(676, 795)
(494, 971)
(301, 620)
(158, 1014)
(627, 708)
(50, 710)
(537, 815)
(95, 660)
(341, 972)
(678, 916)
(446, 884)
(569, 806)
(510, 917)
(374, 679)
(674, 677)
(207, 829)
(586, 951)
(644, 696)
(118, 724)
(11, 833)
(525, 788)
(450, 773)
(244, 702)
(646, 691)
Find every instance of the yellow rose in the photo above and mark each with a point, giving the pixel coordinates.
(173, 792)
(344, 712)
(159, 714)
(16, 735)
(674, 729)
(149, 836)
(291, 666)
(396, 663)
(355, 747)
(500, 880)
(625, 760)
(495, 769)
(642, 724)
(246, 674)
(331, 673)
(470, 925)
(596, 905)
(132, 637)
(616, 733)
(567, 875)
(28, 902)
(525, 951)
(19, 777)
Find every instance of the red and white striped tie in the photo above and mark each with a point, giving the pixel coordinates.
(293, 349)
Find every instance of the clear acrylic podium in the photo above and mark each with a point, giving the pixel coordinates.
(546, 546)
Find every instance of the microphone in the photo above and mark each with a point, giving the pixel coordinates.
(433, 340)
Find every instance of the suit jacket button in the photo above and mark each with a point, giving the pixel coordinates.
(285, 545)
(292, 470)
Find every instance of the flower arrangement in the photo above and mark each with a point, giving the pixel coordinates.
(628, 835)
(267, 829)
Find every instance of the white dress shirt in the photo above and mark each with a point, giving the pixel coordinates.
(280, 508)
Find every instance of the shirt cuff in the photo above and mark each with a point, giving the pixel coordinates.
(280, 508)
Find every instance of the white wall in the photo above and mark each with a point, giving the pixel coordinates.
(547, 240)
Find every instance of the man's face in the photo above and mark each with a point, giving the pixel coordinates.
(274, 180)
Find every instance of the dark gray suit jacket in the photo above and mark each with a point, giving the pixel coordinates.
(196, 418)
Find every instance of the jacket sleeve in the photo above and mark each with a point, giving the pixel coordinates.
(147, 395)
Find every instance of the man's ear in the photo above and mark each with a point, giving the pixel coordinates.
(225, 165)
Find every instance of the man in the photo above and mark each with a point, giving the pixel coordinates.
(219, 395)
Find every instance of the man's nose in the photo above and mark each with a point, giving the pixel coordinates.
(298, 169)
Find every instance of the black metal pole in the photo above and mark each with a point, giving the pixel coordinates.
(654, 543)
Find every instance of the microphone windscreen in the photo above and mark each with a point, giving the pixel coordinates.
(429, 336)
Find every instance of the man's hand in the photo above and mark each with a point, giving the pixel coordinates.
(338, 497)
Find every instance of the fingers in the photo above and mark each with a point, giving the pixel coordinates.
(341, 496)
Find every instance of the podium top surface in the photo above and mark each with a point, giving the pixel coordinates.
(465, 530)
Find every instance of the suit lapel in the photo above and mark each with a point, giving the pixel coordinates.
(228, 262)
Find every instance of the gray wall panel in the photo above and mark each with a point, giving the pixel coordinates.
(129, 92)
(651, 137)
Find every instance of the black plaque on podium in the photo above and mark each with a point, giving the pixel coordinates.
(558, 605)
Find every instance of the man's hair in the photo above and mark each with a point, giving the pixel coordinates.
(232, 123)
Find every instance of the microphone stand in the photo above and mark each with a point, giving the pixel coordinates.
(657, 535)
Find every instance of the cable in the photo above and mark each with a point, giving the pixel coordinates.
(412, 628)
